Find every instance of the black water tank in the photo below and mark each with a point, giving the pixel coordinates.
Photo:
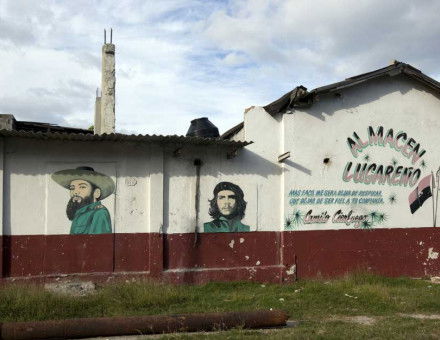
(202, 127)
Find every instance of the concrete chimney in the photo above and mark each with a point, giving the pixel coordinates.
(106, 122)
(97, 125)
(7, 122)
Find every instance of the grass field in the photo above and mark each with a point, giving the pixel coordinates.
(357, 306)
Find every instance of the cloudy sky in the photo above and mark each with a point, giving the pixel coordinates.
(177, 60)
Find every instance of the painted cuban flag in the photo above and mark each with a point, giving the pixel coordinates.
(420, 194)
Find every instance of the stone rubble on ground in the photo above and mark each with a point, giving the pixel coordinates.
(435, 279)
(73, 288)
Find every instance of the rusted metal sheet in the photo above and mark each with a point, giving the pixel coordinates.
(93, 327)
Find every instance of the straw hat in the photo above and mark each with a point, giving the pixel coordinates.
(103, 182)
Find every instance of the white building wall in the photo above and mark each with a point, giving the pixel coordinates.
(155, 191)
(179, 192)
(156, 186)
(34, 204)
(258, 175)
(181, 181)
(262, 157)
(321, 132)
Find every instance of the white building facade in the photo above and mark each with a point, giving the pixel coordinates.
(340, 178)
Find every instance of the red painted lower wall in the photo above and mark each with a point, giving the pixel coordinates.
(1, 257)
(390, 252)
(40, 255)
(222, 257)
(256, 256)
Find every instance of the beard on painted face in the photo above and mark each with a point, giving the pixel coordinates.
(226, 203)
(75, 203)
(227, 210)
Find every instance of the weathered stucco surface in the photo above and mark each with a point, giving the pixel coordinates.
(163, 195)
(321, 132)
(105, 123)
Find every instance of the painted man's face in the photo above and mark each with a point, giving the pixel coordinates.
(80, 195)
(226, 201)
(80, 189)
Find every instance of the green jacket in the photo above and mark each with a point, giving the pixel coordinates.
(91, 219)
(223, 225)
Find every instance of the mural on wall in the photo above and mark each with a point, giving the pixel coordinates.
(420, 194)
(87, 188)
(227, 208)
(393, 174)
(344, 214)
(368, 206)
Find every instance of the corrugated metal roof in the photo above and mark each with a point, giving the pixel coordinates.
(46, 127)
(118, 137)
(291, 98)
(232, 131)
(396, 68)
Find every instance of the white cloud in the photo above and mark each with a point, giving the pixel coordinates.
(234, 59)
(307, 37)
(182, 59)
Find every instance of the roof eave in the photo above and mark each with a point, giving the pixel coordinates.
(307, 98)
(116, 137)
(232, 131)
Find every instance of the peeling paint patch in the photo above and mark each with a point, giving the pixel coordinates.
(130, 181)
(291, 270)
(246, 257)
(258, 263)
(252, 272)
(241, 239)
(421, 243)
(433, 255)
(231, 244)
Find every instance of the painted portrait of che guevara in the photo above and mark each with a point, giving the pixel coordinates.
(227, 209)
(87, 188)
